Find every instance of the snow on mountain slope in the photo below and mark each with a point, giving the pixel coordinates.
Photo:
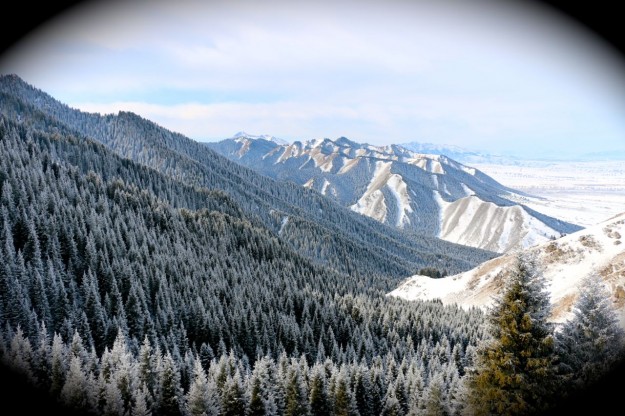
(373, 202)
(473, 222)
(429, 194)
(564, 263)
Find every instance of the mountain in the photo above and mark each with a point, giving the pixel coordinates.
(126, 287)
(427, 194)
(473, 157)
(308, 222)
(277, 140)
(124, 290)
(460, 154)
(565, 261)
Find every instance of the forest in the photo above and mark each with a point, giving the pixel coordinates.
(125, 290)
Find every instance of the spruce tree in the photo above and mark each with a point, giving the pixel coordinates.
(198, 400)
(515, 369)
(591, 342)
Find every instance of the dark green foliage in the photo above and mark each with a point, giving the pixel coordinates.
(592, 342)
(515, 372)
(432, 272)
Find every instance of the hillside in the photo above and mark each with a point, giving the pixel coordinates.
(564, 262)
(311, 224)
(124, 291)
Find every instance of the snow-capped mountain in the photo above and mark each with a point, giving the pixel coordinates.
(564, 262)
(426, 193)
(460, 154)
(244, 135)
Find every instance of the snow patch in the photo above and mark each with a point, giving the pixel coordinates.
(467, 191)
(399, 189)
(324, 187)
(321, 160)
(564, 263)
(285, 221)
(372, 203)
(348, 165)
(429, 163)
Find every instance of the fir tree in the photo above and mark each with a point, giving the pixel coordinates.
(169, 387)
(233, 402)
(592, 341)
(197, 397)
(515, 370)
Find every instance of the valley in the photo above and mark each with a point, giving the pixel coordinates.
(583, 193)
(145, 273)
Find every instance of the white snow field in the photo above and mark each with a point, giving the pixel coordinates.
(583, 193)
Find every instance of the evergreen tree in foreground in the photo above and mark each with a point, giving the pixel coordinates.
(592, 341)
(515, 370)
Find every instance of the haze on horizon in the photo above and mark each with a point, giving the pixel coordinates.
(509, 79)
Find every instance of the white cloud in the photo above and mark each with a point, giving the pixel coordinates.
(377, 71)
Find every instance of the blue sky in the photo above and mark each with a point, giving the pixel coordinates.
(511, 78)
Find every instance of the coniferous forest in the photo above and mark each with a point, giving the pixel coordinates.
(134, 280)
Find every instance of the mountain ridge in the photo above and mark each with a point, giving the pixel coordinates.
(399, 187)
(320, 228)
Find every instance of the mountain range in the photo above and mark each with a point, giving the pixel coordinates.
(424, 193)
(310, 223)
(142, 272)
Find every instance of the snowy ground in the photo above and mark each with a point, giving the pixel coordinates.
(563, 262)
(584, 193)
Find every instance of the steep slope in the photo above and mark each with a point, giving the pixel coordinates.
(423, 193)
(565, 262)
(103, 281)
(311, 224)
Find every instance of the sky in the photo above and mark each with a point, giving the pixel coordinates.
(510, 77)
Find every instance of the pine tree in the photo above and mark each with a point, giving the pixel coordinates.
(141, 406)
(592, 341)
(75, 391)
(257, 407)
(58, 365)
(434, 397)
(296, 392)
(199, 399)
(515, 370)
(169, 387)
(319, 400)
(233, 402)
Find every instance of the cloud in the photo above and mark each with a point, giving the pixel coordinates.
(380, 72)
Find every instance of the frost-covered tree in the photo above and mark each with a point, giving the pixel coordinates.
(515, 369)
(202, 396)
(592, 340)
(169, 403)
(233, 402)
(434, 397)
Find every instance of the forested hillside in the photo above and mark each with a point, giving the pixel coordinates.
(310, 223)
(114, 299)
(130, 286)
